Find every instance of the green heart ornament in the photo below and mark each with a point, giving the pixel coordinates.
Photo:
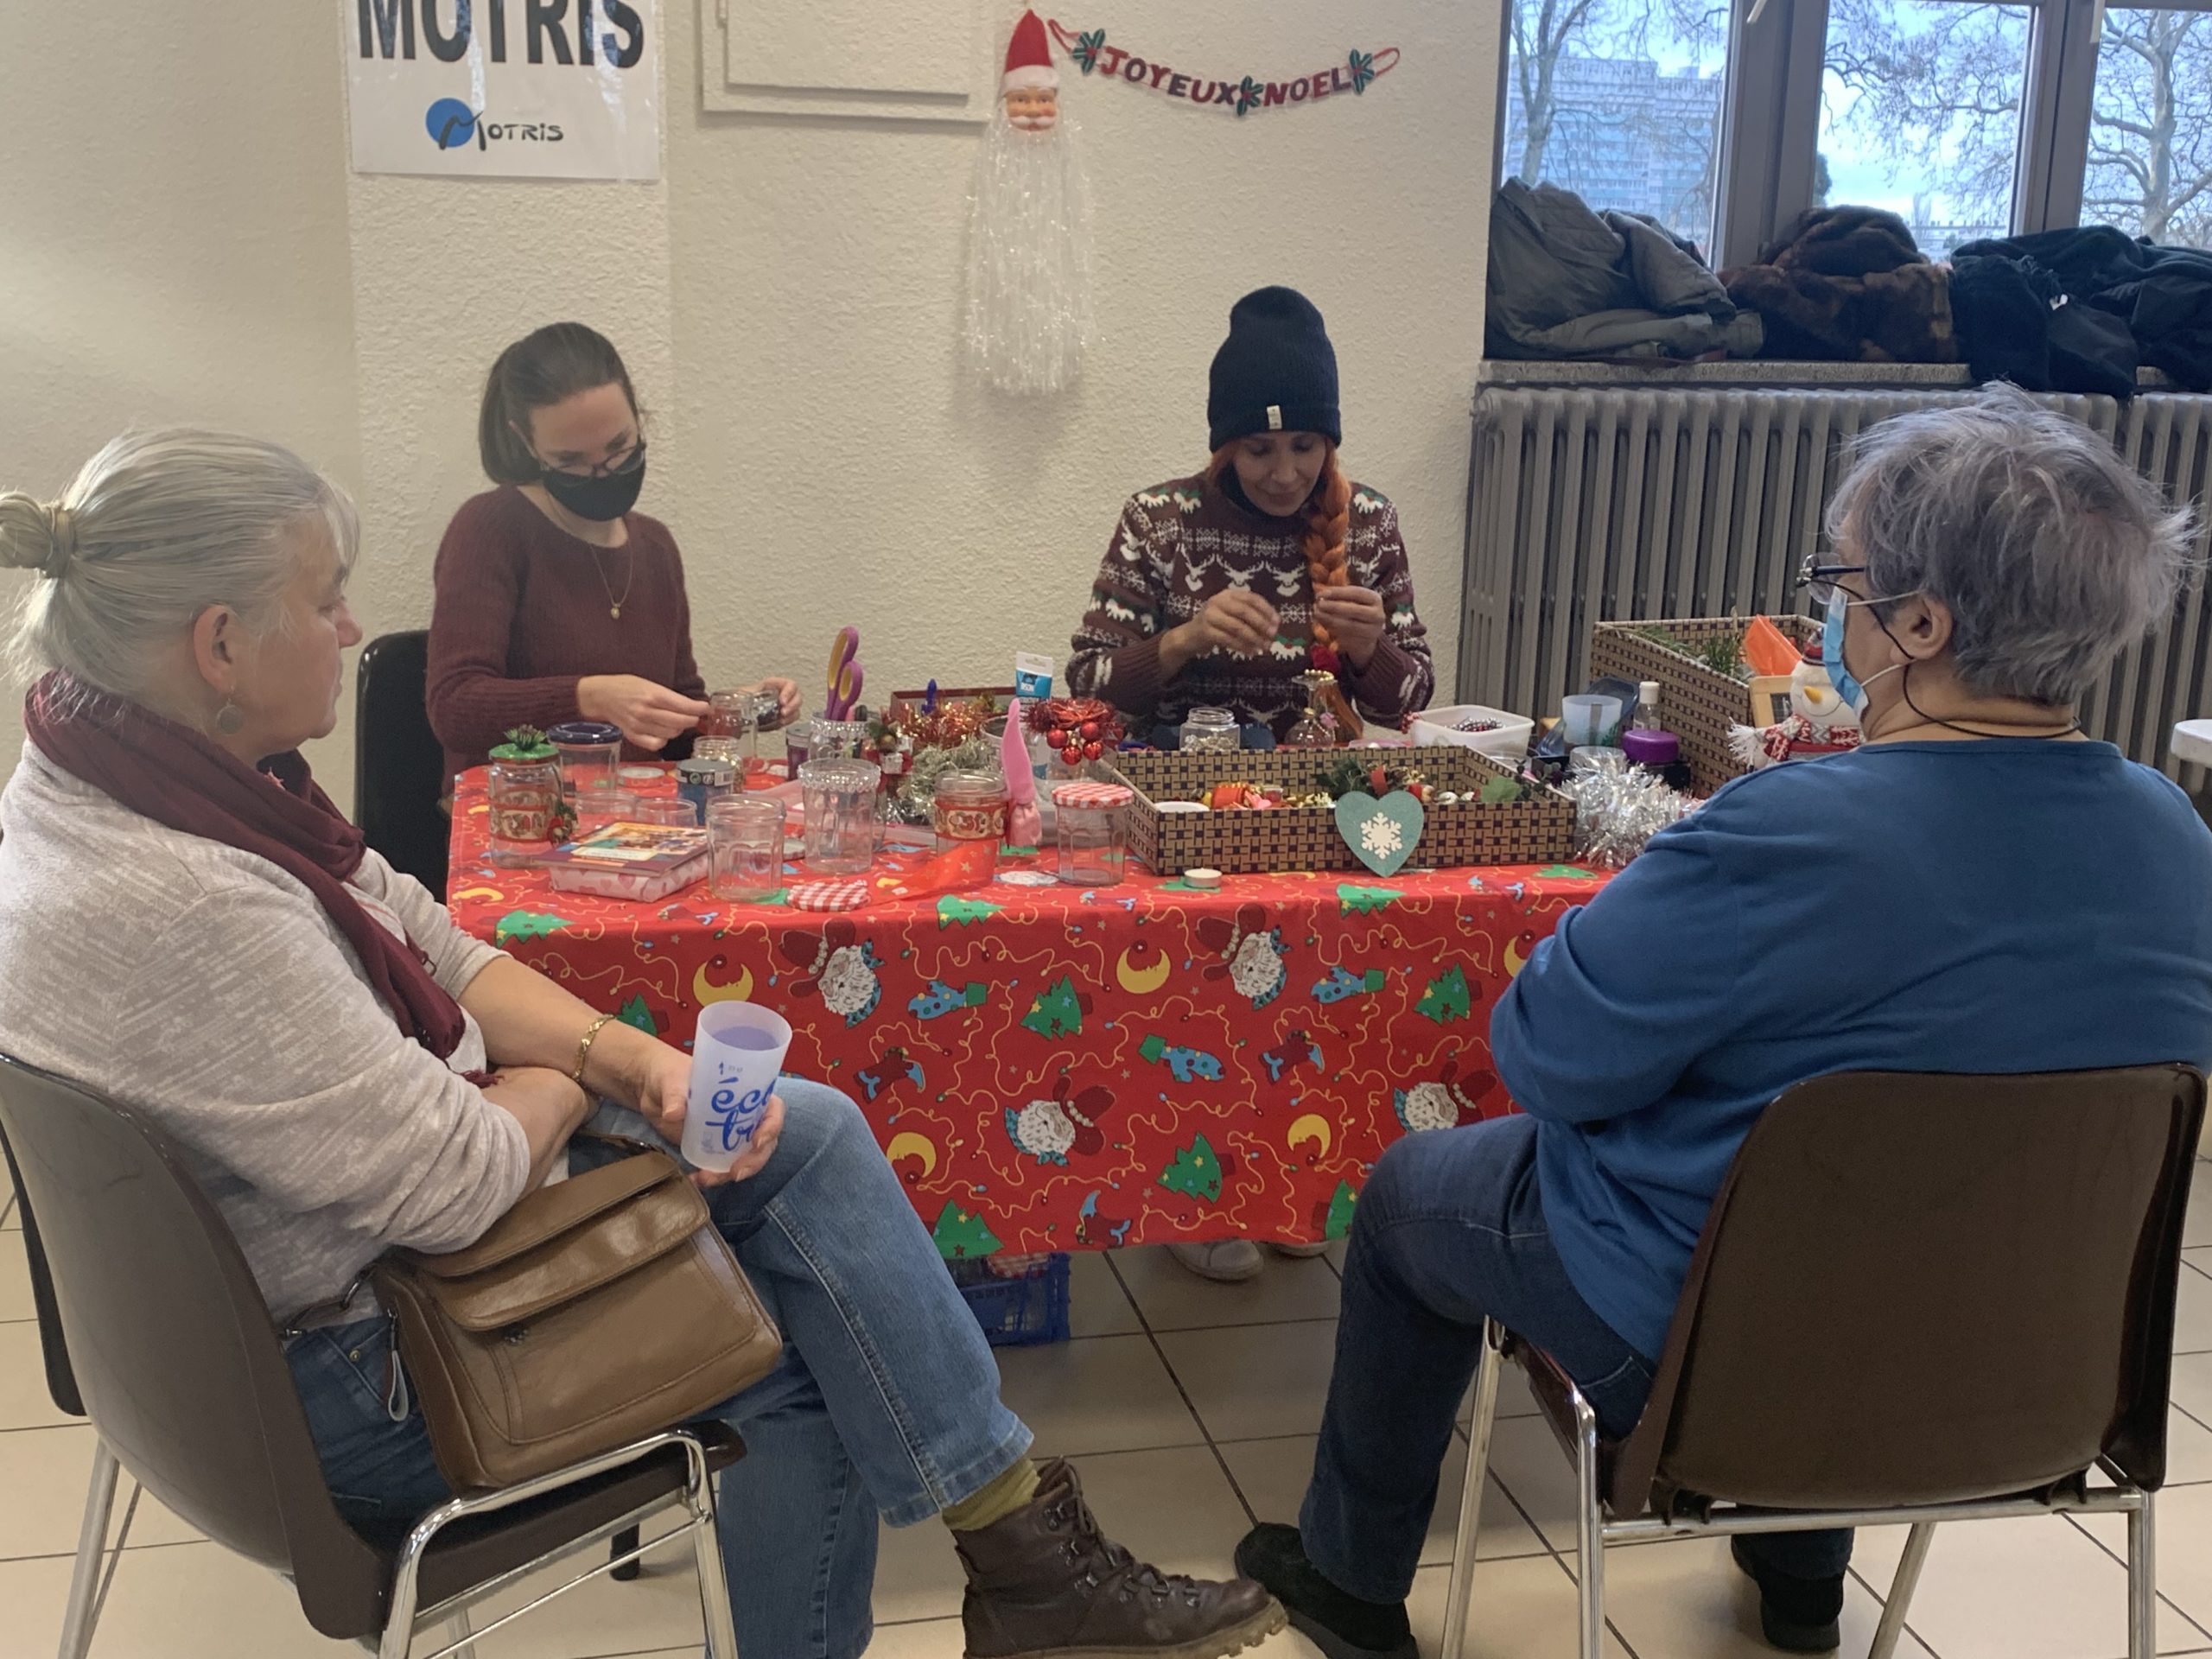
(1381, 834)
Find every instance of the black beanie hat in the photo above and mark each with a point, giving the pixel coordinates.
(1275, 372)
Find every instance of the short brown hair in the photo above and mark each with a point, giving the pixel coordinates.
(557, 361)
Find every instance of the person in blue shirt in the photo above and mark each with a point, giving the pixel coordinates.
(1978, 888)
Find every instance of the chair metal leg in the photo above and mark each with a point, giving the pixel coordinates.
(91, 1545)
(1462, 1590)
(458, 1629)
(1901, 1588)
(707, 1547)
(2142, 1583)
(1590, 1523)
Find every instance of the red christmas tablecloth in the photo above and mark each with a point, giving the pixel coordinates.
(1051, 1069)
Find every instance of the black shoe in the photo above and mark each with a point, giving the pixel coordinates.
(1796, 1615)
(1342, 1626)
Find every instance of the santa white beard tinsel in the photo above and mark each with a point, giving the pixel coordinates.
(1028, 316)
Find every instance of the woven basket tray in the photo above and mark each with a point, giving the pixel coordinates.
(1540, 830)
(1697, 704)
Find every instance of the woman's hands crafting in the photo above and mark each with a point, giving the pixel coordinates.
(1357, 618)
(649, 715)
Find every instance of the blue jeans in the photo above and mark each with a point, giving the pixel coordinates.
(1449, 1230)
(886, 1401)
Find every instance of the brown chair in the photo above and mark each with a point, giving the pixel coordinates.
(152, 1325)
(1917, 1298)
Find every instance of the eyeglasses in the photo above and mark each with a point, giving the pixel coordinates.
(1820, 581)
(628, 461)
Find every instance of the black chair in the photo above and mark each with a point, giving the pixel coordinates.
(399, 765)
(151, 1325)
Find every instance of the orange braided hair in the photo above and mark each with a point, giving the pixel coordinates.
(1328, 519)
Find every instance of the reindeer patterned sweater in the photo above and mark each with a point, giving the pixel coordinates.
(1178, 546)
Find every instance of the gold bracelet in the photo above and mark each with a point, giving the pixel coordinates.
(584, 1047)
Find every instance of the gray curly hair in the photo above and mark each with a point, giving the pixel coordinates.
(2051, 553)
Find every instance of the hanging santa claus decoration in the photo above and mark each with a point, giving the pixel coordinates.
(1029, 312)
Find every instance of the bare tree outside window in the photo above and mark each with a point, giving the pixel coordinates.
(2150, 165)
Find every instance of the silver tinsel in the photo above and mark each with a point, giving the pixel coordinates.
(1028, 316)
(1617, 807)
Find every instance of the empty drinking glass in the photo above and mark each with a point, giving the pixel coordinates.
(747, 847)
(840, 827)
(669, 811)
(597, 808)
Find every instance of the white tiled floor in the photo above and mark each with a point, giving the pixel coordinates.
(1190, 1410)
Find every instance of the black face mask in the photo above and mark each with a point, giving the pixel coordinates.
(599, 496)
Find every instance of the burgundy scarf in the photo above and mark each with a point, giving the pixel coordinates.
(174, 776)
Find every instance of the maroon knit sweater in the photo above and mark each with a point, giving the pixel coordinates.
(1181, 543)
(521, 615)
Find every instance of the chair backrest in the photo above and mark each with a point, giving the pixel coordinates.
(1918, 1289)
(399, 765)
(171, 1346)
(60, 1381)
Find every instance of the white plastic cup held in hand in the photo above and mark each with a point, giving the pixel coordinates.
(735, 1060)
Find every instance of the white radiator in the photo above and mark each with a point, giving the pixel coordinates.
(1591, 504)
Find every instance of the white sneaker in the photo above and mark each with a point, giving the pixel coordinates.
(1300, 1252)
(1228, 1260)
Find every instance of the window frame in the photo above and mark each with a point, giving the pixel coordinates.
(1770, 133)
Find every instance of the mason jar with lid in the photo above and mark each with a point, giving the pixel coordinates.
(1089, 816)
(591, 754)
(1208, 730)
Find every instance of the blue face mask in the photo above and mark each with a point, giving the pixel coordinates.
(1847, 687)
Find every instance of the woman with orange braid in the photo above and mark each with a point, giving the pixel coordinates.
(1222, 589)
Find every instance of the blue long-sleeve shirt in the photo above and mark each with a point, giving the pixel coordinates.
(2002, 905)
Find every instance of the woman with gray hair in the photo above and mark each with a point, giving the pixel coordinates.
(1978, 888)
(188, 927)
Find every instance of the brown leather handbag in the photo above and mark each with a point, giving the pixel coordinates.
(596, 1311)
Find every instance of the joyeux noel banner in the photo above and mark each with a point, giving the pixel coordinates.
(538, 89)
(1238, 93)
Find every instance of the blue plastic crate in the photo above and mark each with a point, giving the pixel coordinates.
(1018, 1312)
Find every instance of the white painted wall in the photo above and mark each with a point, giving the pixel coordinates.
(786, 298)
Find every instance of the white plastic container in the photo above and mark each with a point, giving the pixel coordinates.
(1509, 742)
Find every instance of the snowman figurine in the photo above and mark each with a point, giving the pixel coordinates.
(1814, 699)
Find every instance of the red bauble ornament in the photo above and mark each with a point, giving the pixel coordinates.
(1057, 737)
(1089, 730)
(1072, 754)
(1092, 751)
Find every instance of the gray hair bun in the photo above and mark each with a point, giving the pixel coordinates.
(35, 535)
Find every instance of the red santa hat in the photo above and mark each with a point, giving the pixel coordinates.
(1029, 58)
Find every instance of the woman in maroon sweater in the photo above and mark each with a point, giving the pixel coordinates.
(556, 601)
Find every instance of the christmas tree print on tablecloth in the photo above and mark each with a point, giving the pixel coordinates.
(1336, 1220)
(952, 910)
(1356, 898)
(962, 1234)
(1058, 1012)
(1447, 998)
(526, 925)
(635, 1013)
(1196, 1172)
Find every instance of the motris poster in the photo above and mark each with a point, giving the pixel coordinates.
(534, 89)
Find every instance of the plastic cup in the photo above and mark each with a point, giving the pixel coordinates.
(735, 1060)
(1591, 722)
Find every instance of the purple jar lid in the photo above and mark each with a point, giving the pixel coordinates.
(1649, 749)
(584, 733)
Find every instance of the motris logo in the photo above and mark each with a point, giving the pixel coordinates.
(557, 31)
(452, 124)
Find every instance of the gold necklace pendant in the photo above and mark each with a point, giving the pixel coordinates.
(614, 611)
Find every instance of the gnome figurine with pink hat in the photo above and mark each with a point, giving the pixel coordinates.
(1028, 316)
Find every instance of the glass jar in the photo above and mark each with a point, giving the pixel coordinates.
(798, 746)
(838, 739)
(596, 809)
(1211, 731)
(1090, 832)
(970, 806)
(730, 751)
(840, 825)
(729, 714)
(746, 838)
(591, 755)
(668, 812)
(704, 782)
(1317, 727)
(526, 814)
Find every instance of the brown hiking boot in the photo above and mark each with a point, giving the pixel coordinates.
(1044, 1583)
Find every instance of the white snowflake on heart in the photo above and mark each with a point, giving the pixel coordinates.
(1380, 836)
